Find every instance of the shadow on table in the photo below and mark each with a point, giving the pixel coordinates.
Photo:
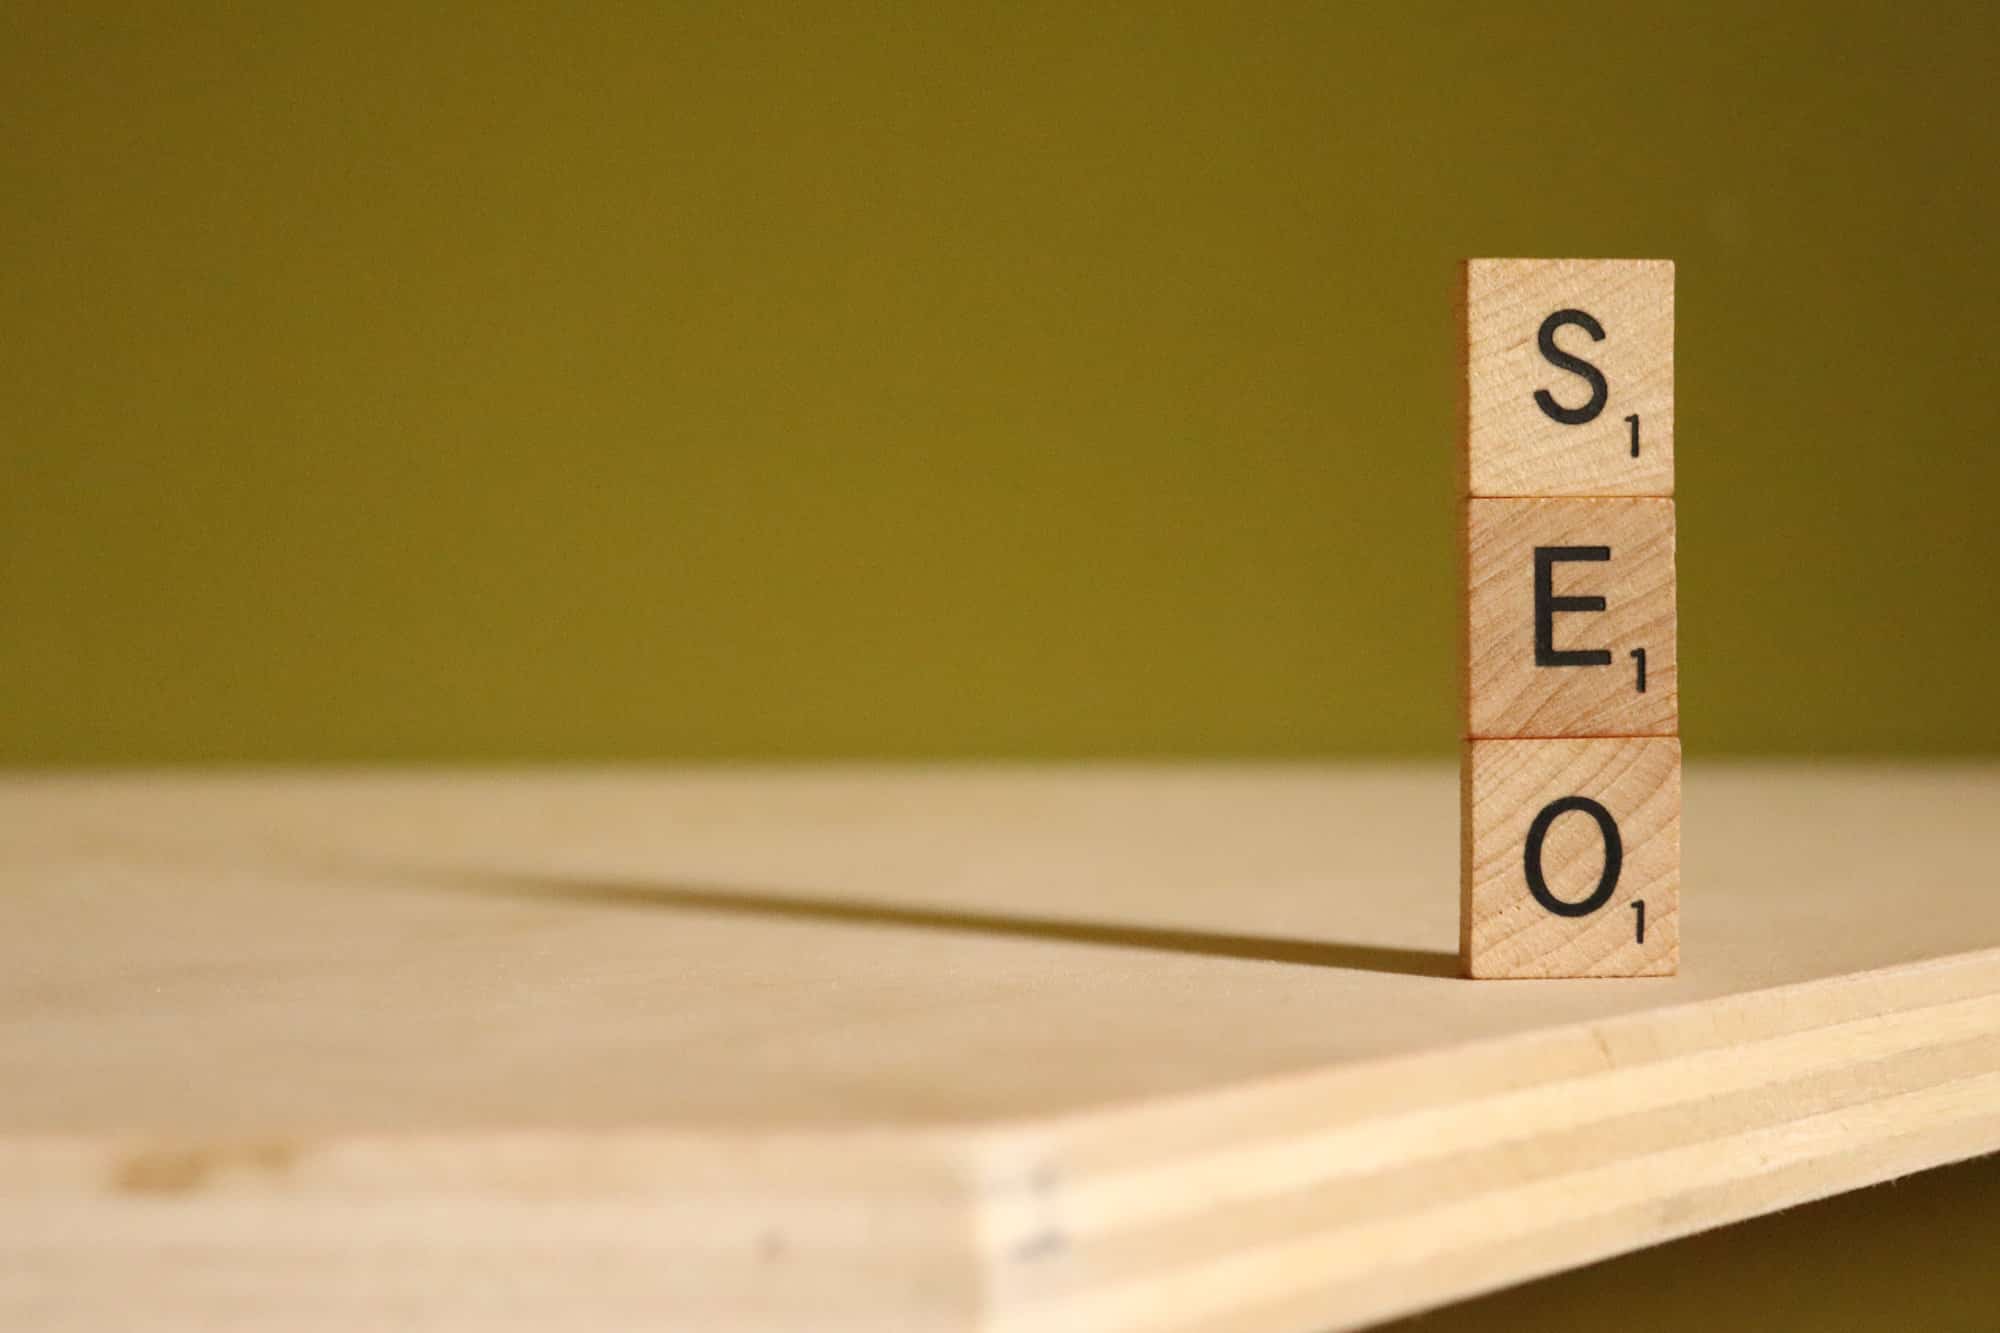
(844, 911)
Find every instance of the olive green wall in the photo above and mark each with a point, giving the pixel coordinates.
(924, 381)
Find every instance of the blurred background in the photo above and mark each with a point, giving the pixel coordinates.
(469, 383)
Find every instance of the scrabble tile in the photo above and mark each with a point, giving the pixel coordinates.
(1571, 856)
(1569, 376)
(1569, 618)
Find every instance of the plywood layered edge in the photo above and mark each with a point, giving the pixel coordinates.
(1326, 1200)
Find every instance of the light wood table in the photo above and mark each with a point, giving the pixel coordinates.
(1090, 1049)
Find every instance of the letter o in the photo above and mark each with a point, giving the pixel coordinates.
(1614, 856)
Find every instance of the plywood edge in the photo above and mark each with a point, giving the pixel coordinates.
(1309, 1204)
(1339, 1278)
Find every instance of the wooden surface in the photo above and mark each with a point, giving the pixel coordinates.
(1622, 906)
(1088, 1049)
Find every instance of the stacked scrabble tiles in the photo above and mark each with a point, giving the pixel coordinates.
(1571, 778)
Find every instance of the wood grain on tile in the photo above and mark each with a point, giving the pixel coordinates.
(1571, 853)
(1570, 618)
(1568, 385)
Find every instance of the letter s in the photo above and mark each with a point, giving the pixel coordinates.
(1600, 392)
